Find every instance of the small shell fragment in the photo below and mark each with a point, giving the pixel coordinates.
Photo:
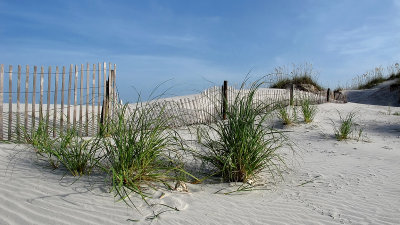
(181, 186)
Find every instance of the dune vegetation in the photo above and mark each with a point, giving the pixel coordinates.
(299, 75)
(376, 76)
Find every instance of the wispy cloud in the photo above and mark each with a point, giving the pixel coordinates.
(363, 40)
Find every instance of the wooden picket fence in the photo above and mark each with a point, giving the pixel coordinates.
(61, 109)
(97, 96)
(207, 106)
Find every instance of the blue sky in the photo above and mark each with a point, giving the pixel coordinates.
(194, 42)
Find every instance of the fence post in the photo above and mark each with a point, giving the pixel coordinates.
(224, 99)
(328, 94)
(291, 94)
(104, 111)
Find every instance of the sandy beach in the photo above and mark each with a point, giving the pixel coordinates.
(326, 182)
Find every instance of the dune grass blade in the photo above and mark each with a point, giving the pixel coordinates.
(309, 111)
(141, 149)
(241, 146)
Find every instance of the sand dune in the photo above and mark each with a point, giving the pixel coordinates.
(327, 182)
(379, 95)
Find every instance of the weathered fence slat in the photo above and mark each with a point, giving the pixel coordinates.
(55, 102)
(48, 97)
(75, 96)
(26, 97)
(62, 100)
(34, 97)
(104, 81)
(110, 77)
(87, 101)
(10, 103)
(18, 102)
(115, 84)
(69, 97)
(41, 94)
(110, 83)
(93, 94)
(98, 93)
(1, 99)
(81, 102)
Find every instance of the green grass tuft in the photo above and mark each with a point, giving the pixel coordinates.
(287, 114)
(42, 143)
(309, 111)
(346, 127)
(141, 150)
(80, 156)
(77, 155)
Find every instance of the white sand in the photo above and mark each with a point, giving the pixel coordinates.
(328, 182)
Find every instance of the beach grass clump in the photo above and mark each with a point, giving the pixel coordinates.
(287, 114)
(241, 146)
(376, 76)
(141, 149)
(394, 71)
(309, 111)
(77, 154)
(346, 126)
(68, 148)
(372, 83)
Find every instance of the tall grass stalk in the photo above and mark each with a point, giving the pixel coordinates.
(241, 146)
